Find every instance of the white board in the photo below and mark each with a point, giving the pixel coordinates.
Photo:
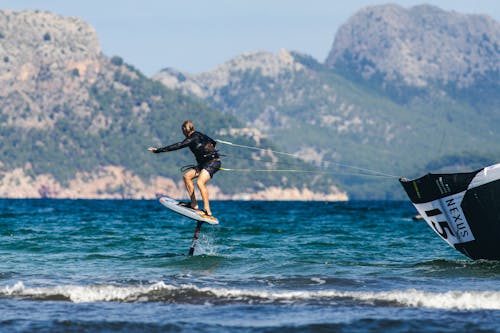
(187, 212)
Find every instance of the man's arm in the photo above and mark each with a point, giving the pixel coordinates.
(175, 146)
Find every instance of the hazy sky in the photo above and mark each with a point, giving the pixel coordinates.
(197, 35)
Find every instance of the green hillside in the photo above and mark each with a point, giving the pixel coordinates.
(356, 126)
(74, 145)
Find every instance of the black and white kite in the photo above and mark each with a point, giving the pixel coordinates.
(462, 208)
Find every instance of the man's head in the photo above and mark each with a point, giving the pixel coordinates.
(187, 127)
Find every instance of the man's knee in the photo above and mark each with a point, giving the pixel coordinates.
(188, 176)
(203, 178)
(201, 182)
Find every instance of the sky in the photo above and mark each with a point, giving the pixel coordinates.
(195, 36)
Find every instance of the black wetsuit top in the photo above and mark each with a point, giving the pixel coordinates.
(202, 146)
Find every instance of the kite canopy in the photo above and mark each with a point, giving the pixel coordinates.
(462, 208)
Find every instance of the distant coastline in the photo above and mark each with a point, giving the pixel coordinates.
(117, 183)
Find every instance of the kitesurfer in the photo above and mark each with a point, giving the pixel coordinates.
(203, 148)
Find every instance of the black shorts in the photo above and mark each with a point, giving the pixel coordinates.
(211, 166)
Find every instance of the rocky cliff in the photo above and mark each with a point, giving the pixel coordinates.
(418, 46)
(225, 87)
(46, 62)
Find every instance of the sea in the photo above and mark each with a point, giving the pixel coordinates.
(123, 266)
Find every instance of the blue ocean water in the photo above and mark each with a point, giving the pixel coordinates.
(122, 266)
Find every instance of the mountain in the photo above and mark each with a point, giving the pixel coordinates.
(420, 48)
(402, 92)
(76, 124)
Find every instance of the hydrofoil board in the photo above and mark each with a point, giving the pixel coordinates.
(193, 214)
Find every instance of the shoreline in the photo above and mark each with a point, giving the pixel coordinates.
(113, 182)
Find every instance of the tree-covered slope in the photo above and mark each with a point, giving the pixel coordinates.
(373, 105)
(344, 126)
(77, 123)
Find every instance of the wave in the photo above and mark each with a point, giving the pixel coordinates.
(461, 263)
(191, 294)
(459, 268)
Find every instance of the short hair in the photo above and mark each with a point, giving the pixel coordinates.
(188, 126)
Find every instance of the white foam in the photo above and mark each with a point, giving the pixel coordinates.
(461, 300)
(318, 280)
(92, 293)
(206, 246)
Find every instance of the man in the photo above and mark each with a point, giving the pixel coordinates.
(207, 158)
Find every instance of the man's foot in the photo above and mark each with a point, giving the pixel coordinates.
(204, 212)
(187, 205)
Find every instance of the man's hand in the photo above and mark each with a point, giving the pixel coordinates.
(153, 149)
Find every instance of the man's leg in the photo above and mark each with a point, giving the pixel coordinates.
(203, 178)
(188, 181)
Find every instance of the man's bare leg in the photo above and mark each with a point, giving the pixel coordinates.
(203, 178)
(188, 181)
